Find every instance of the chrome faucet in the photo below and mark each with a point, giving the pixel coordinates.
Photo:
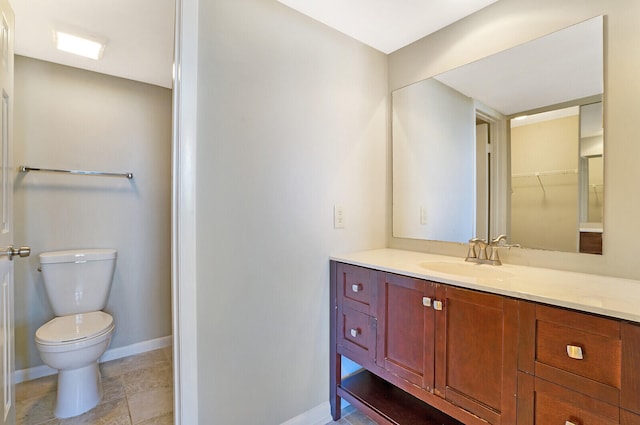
(483, 252)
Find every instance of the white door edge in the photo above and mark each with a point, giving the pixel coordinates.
(183, 238)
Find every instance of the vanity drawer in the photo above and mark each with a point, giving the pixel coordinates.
(357, 288)
(572, 346)
(558, 405)
(356, 335)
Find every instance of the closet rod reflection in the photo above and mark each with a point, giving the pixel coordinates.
(24, 169)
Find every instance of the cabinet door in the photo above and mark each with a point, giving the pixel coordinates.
(630, 391)
(476, 352)
(406, 328)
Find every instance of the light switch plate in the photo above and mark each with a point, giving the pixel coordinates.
(338, 217)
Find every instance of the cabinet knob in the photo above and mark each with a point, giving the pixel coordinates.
(354, 332)
(426, 301)
(437, 305)
(356, 287)
(575, 352)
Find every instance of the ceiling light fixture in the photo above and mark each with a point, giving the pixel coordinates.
(81, 46)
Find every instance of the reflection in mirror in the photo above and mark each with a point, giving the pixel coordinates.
(544, 179)
(556, 195)
(436, 197)
(440, 202)
(591, 178)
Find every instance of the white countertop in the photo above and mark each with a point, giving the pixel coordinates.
(609, 296)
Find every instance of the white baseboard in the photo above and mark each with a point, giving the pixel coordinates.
(112, 354)
(319, 415)
(137, 348)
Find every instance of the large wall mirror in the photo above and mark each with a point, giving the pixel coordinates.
(510, 144)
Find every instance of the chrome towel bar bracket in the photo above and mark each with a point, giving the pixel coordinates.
(25, 169)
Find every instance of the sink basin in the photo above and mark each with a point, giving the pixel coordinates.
(467, 269)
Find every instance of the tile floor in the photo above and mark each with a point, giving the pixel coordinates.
(138, 390)
(351, 416)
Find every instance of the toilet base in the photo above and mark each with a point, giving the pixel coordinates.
(79, 390)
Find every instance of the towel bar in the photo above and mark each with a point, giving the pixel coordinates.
(25, 169)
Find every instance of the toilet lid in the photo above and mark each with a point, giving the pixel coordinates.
(74, 327)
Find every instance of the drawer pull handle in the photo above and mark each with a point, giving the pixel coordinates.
(437, 305)
(354, 333)
(570, 423)
(575, 352)
(426, 301)
(356, 287)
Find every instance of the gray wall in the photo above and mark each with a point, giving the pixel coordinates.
(292, 120)
(70, 118)
(509, 22)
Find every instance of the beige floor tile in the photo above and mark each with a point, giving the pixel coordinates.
(351, 416)
(119, 367)
(51, 422)
(114, 412)
(36, 387)
(358, 418)
(35, 410)
(160, 420)
(112, 389)
(150, 404)
(342, 421)
(147, 379)
(136, 389)
(168, 353)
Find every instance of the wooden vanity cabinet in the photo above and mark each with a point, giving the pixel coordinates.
(628, 418)
(438, 354)
(590, 242)
(630, 389)
(577, 368)
(451, 348)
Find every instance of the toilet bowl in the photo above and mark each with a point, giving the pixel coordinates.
(73, 344)
(78, 284)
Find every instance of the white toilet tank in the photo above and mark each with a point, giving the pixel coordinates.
(78, 281)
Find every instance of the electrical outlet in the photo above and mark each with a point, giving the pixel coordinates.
(338, 217)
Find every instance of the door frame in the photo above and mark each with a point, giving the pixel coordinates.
(500, 184)
(183, 208)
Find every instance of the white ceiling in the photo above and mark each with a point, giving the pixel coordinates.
(139, 35)
(387, 25)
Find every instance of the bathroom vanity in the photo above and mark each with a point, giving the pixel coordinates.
(441, 341)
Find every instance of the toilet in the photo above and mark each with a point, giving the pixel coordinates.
(77, 283)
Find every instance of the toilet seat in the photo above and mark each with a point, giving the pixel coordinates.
(74, 329)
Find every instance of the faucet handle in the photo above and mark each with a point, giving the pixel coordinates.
(482, 249)
(498, 239)
(472, 251)
(494, 257)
